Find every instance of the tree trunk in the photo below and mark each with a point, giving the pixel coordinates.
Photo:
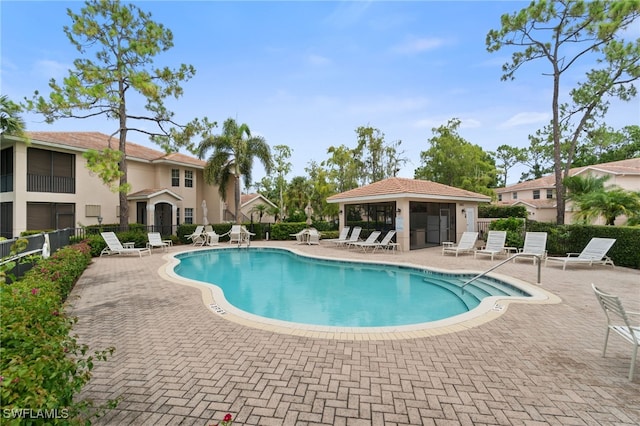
(557, 158)
(124, 204)
(236, 195)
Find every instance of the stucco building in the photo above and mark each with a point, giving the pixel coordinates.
(423, 213)
(44, 184)
(539, 195)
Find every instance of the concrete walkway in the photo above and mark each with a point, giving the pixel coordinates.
(178, 362)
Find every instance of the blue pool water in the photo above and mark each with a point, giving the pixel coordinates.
(282, 285)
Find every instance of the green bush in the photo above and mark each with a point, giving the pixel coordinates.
(494, 211)
(515, 230)
(42, 365)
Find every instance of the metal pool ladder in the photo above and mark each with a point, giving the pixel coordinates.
(538, 257)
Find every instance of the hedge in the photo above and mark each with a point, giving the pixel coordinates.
(42, 365)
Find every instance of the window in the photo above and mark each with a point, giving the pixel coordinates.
(499, 197)
(536, 194)
(43, 216)
(514, 195)
(188, 215)
(175, 177)
(178, 216)
(6, 167)
(92, 210)
(188, 179)
(549, 194)
(50, 171)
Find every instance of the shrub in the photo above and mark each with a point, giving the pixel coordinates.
(42, 365)
(515, 230)
(493, 211)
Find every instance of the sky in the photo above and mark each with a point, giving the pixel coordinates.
(307, 74)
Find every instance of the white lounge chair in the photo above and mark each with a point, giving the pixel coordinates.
(494, 246)
(344, 233)
(313, 236)
(155, 240)
(197, 237)
(618, 321)
(354, 237)
(300, 236)
(466, 244)
(594, 252)
(238, 234)
(369, 242)
(385, 243)
(114, 246)
(535, 245)
(212, 239)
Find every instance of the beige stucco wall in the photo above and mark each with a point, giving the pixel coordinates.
(90, 190)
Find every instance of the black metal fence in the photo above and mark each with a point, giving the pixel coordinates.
(57, 239)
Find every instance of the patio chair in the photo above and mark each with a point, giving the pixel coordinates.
(466, 244)
(354, 237)
(594, 252)
(618, 321)
(386, 243)
(114, 246)
(494, 246)
(535, 244)
(155, 240)
(344, 233)
(196, 237)
(212, 239)
(301, 236)
(313, 236)
(369, 242)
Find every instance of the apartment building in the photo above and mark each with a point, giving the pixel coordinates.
(44, 184)
(539, 195)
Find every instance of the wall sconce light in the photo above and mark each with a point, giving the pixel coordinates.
(399, 211)
(339, 211)
(462, 211)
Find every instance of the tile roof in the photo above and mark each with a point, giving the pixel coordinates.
(247, 198)
(539, 204)
(99, 141)
(395, 186)
(622, 167)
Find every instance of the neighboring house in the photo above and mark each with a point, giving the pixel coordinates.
(539, 195)
(423, 213)
(248, 202)
(45, 185)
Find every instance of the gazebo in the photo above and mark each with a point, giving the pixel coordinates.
(422, 212)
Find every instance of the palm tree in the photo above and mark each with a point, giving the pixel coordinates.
(233, 154)
(10, 122)
(610, 204)
(261, 209)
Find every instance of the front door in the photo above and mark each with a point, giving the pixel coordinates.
(163, 219)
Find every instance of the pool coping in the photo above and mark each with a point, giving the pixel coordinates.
(489, 308)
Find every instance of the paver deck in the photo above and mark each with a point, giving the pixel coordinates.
(178, 362)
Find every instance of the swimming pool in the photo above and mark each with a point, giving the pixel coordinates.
(284, 286)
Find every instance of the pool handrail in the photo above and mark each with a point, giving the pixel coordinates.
(502, 263)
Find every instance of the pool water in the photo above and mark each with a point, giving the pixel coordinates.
(282, 285)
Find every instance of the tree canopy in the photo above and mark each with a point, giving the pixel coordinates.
(564, 33)
(118, 44)
(453, 161)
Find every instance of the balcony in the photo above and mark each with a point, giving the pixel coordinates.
(57, 184)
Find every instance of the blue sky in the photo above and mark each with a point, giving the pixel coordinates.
(307, 74)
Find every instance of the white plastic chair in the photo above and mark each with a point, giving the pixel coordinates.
(466, 244)
(618, 321)
(196, 237)
(594, 252)
(371, 239)
(114, 246)
(155, 240)
(535, 244)
(354, 237)
(494, 246)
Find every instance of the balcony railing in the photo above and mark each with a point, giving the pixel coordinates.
(58, 184)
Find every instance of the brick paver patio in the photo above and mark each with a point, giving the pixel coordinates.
(177, 362)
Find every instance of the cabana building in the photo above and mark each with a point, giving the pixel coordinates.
(422, 212)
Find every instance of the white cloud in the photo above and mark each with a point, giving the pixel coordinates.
(524, 118)
(418, 45)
